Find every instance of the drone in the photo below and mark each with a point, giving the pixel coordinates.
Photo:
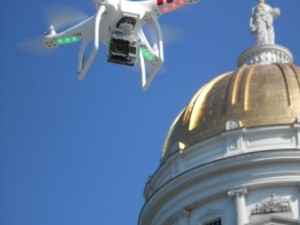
(118, 24)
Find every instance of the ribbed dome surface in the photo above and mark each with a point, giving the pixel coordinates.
(254, 95)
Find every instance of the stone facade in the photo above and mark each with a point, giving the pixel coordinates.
(243, 176)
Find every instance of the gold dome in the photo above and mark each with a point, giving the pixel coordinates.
(254, 95)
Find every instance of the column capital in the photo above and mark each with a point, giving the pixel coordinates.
(240, 204)
(237, 192)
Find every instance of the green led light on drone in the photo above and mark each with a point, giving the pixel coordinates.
(60, 41)
(147, 54)
(67, 40)
(75, 39)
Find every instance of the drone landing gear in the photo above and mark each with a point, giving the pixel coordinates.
(151, 57)
(86, 62)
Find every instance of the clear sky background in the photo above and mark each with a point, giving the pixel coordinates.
(79, 152)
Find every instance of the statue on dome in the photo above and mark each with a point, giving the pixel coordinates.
(261, 23)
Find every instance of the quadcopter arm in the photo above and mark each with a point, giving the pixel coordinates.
(84, 30)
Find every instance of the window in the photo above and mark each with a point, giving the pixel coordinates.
(217, 221)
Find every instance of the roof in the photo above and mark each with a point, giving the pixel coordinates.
(253, 95)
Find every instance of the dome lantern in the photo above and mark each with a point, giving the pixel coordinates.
(265, 51)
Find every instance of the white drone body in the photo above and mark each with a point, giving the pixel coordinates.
(119, 25)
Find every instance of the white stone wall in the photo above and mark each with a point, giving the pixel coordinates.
(226, 145)
(227, 176)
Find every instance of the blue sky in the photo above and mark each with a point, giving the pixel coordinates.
(79, 152)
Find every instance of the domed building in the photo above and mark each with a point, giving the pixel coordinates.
(232, 156)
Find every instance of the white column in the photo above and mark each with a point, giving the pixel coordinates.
(297, 215)
(240, 205)
(297, 126)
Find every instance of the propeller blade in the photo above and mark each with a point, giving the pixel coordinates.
(171, 34)
(34, 46)
(61, 16)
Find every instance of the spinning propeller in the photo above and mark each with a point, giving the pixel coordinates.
(56, 17)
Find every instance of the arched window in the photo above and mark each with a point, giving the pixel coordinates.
(216, 221)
